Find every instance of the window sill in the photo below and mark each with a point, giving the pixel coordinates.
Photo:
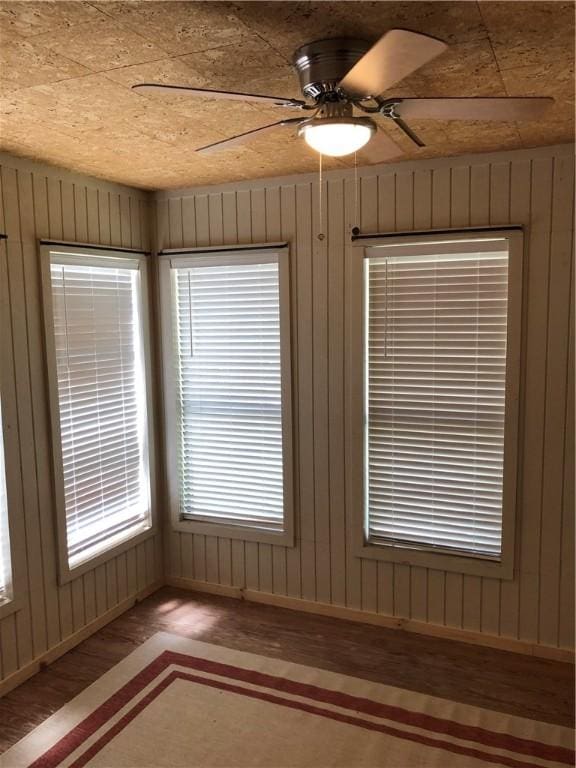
(10, 606)
(283, 539)
(441, 561)
(67, 574)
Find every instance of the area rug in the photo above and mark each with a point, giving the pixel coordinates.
(179, 702)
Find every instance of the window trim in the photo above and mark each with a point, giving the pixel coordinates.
(355, 300)
(5, 523)
(230, 255)
(10, 437)
(91, 255)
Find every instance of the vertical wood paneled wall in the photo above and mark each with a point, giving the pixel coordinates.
(534, 188)
(39, 202)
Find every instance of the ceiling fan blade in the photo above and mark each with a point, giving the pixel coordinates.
(380, 148)
(209, 94)
(242, 138)
(502, 108)
(397, 54)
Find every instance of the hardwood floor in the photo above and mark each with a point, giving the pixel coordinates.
(498, 680)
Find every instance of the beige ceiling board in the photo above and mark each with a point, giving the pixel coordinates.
(101, 44)
(527, 33)
(287, 25)
(181, 27)
(261, 68)
(483, 135)
(66, 71)
(35, 18)
(24, 64)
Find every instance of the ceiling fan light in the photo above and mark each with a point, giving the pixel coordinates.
(337, 137)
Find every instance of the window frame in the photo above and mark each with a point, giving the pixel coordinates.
(10, 437)
(90, 255)
(355, 372)
(206, 256)
(5, 520)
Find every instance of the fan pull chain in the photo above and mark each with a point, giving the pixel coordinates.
(356, 196)
(320, 214)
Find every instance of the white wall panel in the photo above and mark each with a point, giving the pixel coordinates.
(39, 202)
(533, 188)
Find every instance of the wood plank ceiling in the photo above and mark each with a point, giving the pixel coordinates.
(66, 69)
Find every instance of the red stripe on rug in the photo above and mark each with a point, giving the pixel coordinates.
(93, 749)
(376, 709)
(88, 727)
(298, 705)
(65, 746)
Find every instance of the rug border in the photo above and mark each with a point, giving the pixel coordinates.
(39, 740)
(53, 757)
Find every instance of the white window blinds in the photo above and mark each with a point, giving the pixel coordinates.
(5, 569)
(102, 401)
(228, 391)
(435, 395)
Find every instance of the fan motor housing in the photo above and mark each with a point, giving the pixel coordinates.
(322, 64)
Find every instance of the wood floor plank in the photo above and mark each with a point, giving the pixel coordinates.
(498, 680)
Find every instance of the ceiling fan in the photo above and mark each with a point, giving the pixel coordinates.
(340, 75)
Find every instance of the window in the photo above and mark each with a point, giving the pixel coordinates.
(229, 393)
(99, 396)
(5, 567)
(439, 402)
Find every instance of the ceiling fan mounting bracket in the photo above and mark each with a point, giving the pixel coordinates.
(335, 110)
(321, 65)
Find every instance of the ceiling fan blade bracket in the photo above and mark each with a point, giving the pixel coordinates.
(247, 136)
(405, 128)
(295, 103)
(387, 108)
(359, 104)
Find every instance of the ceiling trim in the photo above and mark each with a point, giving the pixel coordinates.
(385, 169)
(17, 163)
(8, 160)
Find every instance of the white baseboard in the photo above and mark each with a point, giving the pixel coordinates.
(378, 619)
(293, 603)
(34, 666)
